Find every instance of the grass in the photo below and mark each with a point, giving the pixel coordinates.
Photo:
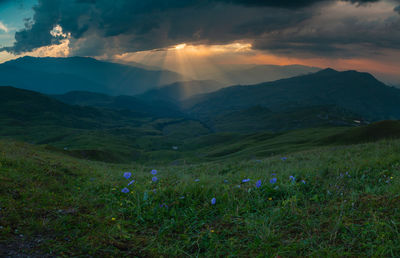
(349, 205)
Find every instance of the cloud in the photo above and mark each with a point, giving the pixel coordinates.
(98, 27)
(289, 3)
(346, 32)
(3, 27)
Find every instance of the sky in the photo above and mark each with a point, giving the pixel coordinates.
(192, 35)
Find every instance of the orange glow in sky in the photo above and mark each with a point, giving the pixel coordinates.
(198, 61)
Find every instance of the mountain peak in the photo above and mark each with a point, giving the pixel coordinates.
(327, 71)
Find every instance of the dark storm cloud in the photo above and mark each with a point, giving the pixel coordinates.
(288, 3)
(130, 25)
(102, 26)
(346, 37)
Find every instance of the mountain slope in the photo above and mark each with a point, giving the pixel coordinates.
(380, 130)
(59, 75)
(158, 108)
(23, 107)
(356, 92)
(266, 73)
(246, 74)
(180, 91)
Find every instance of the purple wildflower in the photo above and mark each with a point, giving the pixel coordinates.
(273, 180)
(154, 172)
(154, 179)
(258, 184)
(131, 182)
(127, 175)
(125, 190)
(213, 201)
(304, 182)
(245, 180)
(292, 178)
(283, 158)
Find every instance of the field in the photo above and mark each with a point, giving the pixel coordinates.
(343, 201)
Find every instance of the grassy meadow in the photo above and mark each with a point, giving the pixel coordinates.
(343, 201)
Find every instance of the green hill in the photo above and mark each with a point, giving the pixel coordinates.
(343, 202)
(374, 132)
(126, 136)
(92, 132)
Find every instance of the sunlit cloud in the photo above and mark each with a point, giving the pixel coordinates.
(60, 49)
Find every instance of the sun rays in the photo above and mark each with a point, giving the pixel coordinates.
(193, 62)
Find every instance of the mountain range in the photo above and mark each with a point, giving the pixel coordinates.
(151, 124)
(359, 94)
(324, 98)
(51, 75)
(60, 75)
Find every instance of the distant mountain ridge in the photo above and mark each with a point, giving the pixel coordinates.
(60, 75)
(357, 92)
(247, 74)
(267, 73)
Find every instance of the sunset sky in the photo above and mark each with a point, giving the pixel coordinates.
(196, 35)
